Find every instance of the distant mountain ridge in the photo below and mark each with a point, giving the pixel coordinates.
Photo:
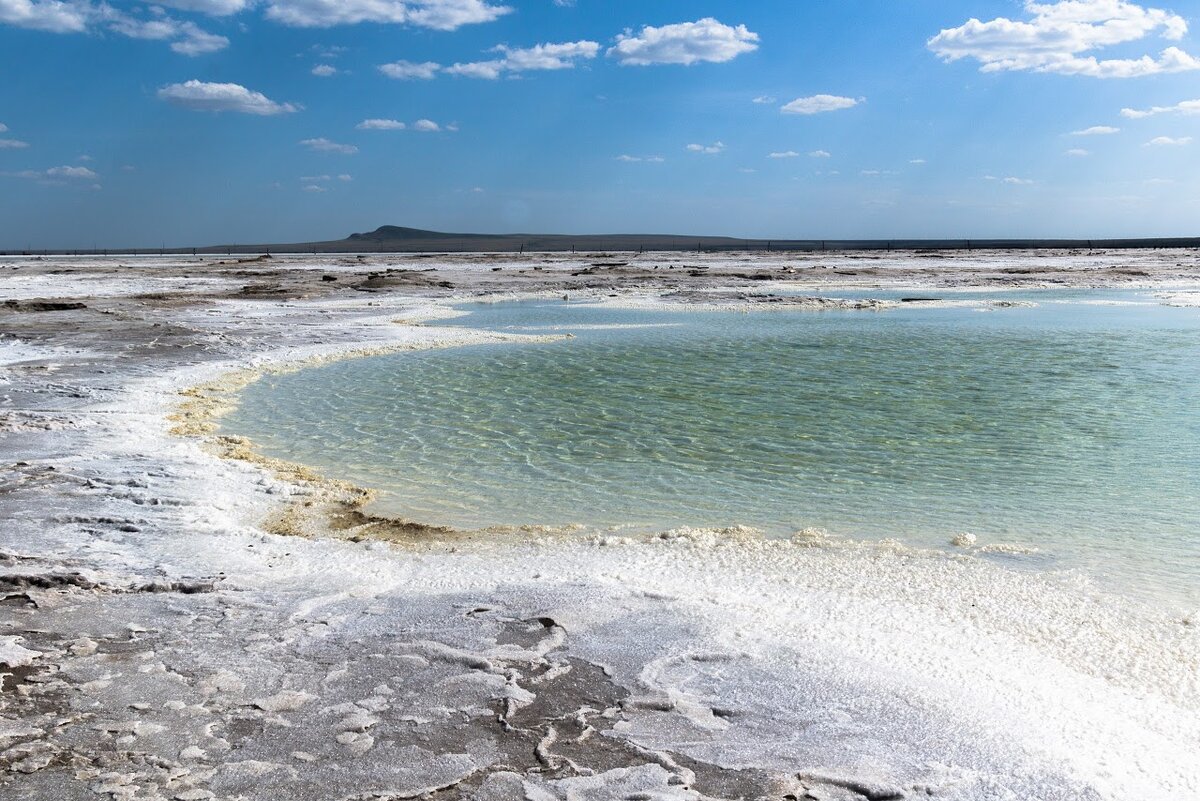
(403, 239)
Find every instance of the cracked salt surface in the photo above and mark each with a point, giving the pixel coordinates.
(184, 653)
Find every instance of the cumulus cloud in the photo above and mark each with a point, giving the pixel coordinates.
(323, 145)
(427, 126)
(1185, 107)
(713, 149)
(203, 96)
(763, 100)
(1058, 37)
(1096, 130)
(1169, 141)
(705, 40)
(81, 16)
(819, 154)
(819, 104)
(324, 70)
(12, 144)
(381, 125)
(47, 15)
(561, 56)
(783, 154)
(442, 15)
(410, 71)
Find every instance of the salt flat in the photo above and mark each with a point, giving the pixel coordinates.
(176, 624)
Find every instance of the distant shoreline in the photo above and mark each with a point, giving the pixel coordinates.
(390, 239)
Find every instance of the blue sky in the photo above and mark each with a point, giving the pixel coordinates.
(211, 121)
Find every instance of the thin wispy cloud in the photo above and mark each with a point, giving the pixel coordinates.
(323, 145)
(563, 56)
(1097, 130)
(381, 125)
(1062, 37)
(686, 43)
(783, 154)
(442, 15)
(640, 159)
(1169, 141)
(219, 97)
(711, 150)
(1078, 152)
(1187, 107)
(820, 104)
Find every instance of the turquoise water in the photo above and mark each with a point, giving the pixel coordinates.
(1072, 427)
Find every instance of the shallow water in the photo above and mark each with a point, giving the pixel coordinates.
(1070, 427)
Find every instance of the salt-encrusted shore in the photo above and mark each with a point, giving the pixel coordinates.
(178, 624)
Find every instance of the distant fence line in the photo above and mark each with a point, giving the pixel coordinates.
(701, 246)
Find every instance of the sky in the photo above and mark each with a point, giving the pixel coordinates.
(196, 122)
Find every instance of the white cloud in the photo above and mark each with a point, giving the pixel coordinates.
(1013, 181)
(1096, 130)
(819, 104)
(1078, 152)
(314, 179)
(916, 161)
(315, 188)
(203, 96)
(1167, 141)
(79, 16)
(12, 144)
(1058, 36)
(72, 172)
(705, 40)
(427, 126)
(639, 159)
(196, 42)
(763, 100)
(216, 8)
(59, 175)
(3, 127)
(714, 148)
(324, 70)
(1185, 107)
(324, 145)
(442, 15)
(47, 15)
(539, 57)
(785, 154)
(381, 125)
(819, 154)
(409, 71)
(344, 178)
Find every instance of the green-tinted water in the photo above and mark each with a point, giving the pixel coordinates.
(1072, 427)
